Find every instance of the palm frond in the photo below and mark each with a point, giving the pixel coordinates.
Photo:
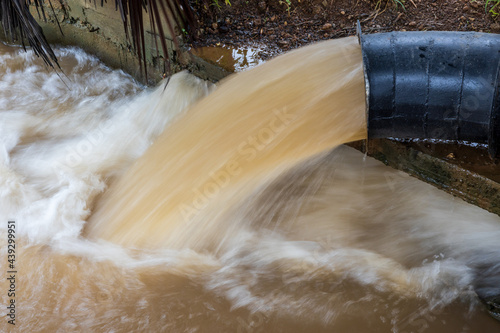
(19, 25)
(164, 16)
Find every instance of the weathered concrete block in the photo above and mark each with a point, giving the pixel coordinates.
(99, 30)
(470, 186)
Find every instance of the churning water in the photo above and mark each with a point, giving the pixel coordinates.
(239, 218)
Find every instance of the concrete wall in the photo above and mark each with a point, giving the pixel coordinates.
(456, 180)
(99, 30)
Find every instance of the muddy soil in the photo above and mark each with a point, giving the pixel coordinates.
(280, 25)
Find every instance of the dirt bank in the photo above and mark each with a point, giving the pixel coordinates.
(280, 25)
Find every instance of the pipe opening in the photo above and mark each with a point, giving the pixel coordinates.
(433, 85)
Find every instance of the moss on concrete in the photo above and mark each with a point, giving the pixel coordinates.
(471, 187)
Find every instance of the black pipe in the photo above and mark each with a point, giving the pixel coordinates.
(436, 85)
(433, 85)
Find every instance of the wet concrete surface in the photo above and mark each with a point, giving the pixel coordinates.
(464, 170)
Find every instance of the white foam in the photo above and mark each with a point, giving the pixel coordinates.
(355, 225)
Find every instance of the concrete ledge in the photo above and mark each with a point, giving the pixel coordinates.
(471, 187)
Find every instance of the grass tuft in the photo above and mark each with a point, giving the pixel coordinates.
(492, 4)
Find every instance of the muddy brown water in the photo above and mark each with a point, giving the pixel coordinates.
(224, 211)
(230, 58)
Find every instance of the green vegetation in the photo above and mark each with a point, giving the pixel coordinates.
(399, 3)
(492, 5)
(379, 4)
(288, 4)
(216, 3)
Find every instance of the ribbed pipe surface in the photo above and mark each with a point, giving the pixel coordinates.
(433, 85)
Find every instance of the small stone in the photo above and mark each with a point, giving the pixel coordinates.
(262, 5)
(326, 26)
(412, 23)
(283, 43)
(397, 18)
(342, 12)
(450, 156)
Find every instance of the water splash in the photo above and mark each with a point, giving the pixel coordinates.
(334, 242)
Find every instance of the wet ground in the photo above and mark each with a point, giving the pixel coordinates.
(277, 26)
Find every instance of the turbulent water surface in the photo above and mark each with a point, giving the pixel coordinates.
(240, 218)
